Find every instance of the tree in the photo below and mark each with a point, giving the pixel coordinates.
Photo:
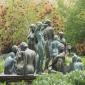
(73, 12)
(16, 17)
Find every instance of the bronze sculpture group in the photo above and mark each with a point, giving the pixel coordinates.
(44, 50)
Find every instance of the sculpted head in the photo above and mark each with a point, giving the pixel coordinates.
(33, 27)
(12, 54)
(74, 58)
(56, 37)
(79, 59)
(23, 46)
(15, 48)
(61, 34)
(48, 22)
(39, 25)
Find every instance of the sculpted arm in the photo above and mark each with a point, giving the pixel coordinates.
(36, 58)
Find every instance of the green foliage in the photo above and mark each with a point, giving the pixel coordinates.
(17, 15)
(51, 79)
(73, 78)
(83, 61)
(73, 12)
(76, 77)
(1, 65)
(75, 24)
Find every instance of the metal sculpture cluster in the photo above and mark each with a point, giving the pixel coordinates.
(45, 50)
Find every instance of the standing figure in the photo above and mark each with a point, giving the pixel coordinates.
(61, 37)
(54, 47)
(69, 49)
(31, 37)
(40, 47)
(48, 33)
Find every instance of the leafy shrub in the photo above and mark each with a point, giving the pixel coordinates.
(76, 77)
(51, 79)
(73, 78)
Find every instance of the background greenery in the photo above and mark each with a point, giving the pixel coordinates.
(17, 15)
(66, 15)
(73, 12)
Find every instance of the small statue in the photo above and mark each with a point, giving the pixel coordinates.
(9, 66)
(31, 37)
(78, 65)
(61, 37)
(48, 31)
(52, 50)
(68, 48)
(26, 60)
(74, 59)
(54, 47)
(40, 47)
(58, 61)
(58, 65)
(48, 34)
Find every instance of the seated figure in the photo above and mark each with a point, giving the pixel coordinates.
(74, 59)
(78, 65)
(9, 66)
(58, 61)
(26, 60)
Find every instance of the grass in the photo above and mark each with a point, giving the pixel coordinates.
(1, 65)
(83, 61)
